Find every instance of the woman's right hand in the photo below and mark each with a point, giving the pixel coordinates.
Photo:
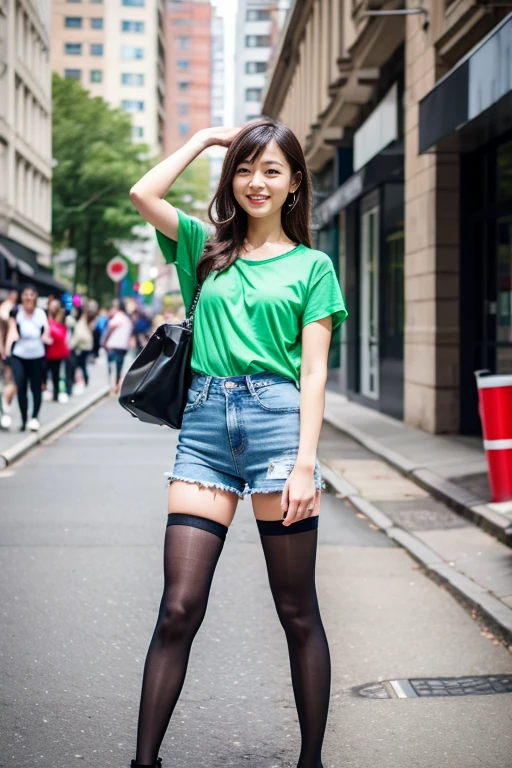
(217, 136)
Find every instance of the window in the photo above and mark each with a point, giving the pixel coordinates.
(184, 42)
(73, 74)
(131, 52)
(137, 132)
(96, 23)
(182, 22)
(96, 76)
(183, 85)
(73, 22)
(183, 63)
(134, 3)
(73, 49)
(132, 78)
(258, 16)
(96, 1)
(253, 94)
(183, 109)
(129, 105)
(257, 41)
(253, 117)
(73, 1)
(132, 26)
(96, 49)
(183, 128)
(253, 67)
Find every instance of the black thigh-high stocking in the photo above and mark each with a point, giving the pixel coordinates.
(192, 548)
(290, 554)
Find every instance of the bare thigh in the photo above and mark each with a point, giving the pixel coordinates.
(192, 499)
(267, 506)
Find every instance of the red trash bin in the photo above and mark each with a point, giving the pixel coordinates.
(495, 408)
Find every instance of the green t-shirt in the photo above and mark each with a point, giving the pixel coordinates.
(249, 317)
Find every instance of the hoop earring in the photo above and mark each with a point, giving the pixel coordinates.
(294, 202)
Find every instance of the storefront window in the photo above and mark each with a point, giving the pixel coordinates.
(504, 172)
(504, 295)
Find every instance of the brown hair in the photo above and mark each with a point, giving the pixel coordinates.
(231, 223)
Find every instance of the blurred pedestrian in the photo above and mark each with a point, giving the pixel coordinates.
(82, 340)
(117, 340)
(9, 387)
(100, 326)
(261, 339)
(141, 329)
(57, 354)
(27, 334)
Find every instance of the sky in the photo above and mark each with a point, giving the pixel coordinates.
(227, 9)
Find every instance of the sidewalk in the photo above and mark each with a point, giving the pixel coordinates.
(452, 468)
(408, 483)
(53, 416)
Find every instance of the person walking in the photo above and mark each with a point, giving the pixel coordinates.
(117, 340)
(27, 334)
(58, 353)
(262, 330)
(82, 341)
(9, 387)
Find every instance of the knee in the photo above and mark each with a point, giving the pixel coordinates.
(179, 619)
(296, 619)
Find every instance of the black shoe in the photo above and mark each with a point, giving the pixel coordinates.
(158, 764)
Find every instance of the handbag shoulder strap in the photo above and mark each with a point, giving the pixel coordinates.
(193, 306)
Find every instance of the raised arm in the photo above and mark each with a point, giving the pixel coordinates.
(147, 195)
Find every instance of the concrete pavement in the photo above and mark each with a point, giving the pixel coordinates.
(452, 468)
(83, 521)
(53, 416)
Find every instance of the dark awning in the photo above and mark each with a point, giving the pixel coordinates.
(386, 166)
(478, 88)
(19, 273)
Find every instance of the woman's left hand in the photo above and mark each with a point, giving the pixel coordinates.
(299, 494)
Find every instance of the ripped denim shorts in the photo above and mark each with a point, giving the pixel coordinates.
(240, 434)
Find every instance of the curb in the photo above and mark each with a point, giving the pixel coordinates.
(496, 614)
(11, 455)
(464, 503)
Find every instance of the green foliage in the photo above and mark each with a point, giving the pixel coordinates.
(96, 164)
(192, 186)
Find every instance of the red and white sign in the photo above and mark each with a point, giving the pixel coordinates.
(117, 268)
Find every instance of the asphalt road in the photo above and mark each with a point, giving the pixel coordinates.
(82, 522)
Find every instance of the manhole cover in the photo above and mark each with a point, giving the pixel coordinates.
(414, 687)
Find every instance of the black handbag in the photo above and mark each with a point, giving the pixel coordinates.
(155, 387)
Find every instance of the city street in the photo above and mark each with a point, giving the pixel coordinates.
(83, 520)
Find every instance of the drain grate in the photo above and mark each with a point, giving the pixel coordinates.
(419, 687)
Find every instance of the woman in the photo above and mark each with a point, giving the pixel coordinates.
(262, 330)
(82, 341)
(27, 334)
(58, 353)
(117, 340)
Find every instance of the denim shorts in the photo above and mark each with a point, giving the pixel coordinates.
(240, 434)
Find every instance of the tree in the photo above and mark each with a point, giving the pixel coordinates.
(95, 164)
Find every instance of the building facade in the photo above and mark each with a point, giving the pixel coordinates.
(405, 120)
(117, 51)
(25, 143)
(258, 27)
(188, 35)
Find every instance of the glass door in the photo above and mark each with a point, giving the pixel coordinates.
(369, 302)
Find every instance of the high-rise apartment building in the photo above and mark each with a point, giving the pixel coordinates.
(259, 24)
(25, 141)
(188, 39)
(218, 85)
(116, 50)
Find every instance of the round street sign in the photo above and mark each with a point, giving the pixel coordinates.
(117, 269)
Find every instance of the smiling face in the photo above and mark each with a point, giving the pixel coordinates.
(261, 185)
